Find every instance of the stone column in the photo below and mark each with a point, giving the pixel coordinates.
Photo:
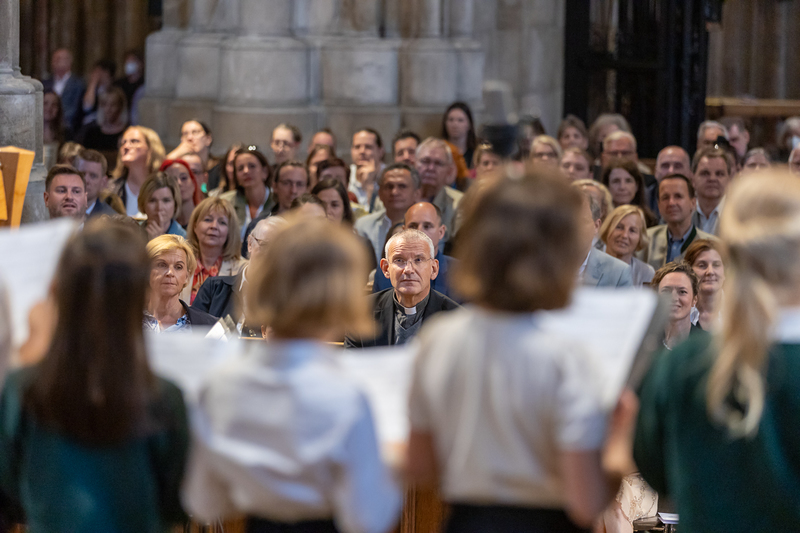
(429, 18)
(21, 119)
(462, 13)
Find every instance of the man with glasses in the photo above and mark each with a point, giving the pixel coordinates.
(437, 171)
(285, 141)
(291, 181)
(400, 311)
(622, 145)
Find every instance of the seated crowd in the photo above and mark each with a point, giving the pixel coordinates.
(302, 249)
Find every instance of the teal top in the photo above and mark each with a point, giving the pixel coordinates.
(66, 486)
(716, 482)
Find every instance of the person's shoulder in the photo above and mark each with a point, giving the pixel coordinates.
(370, 219)
(643, 266)
(197, 317)
(606, 260)
(380, 297)
(454, 194)
(229, 195)
(703, 235)
(656, 230)
(442, 302)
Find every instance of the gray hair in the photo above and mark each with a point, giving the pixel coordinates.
(433, 142)
(617, 135)
(415, 179)
(267, 224)
(410, 235)
(701, 130)
(594, 206)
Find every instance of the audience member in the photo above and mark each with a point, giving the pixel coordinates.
(400, 311)
(624, 233)
(324, 136)
(707, 258)
(721, 410)
(65, 192)
(316, 155)
(673, 160)
(458, 128)
(196, 138)
(199, 172)
(788, 137)
(756, 159)
(291, 181)
(335, 169)
(546, 150)
(598, 269)
(678, 281)
(94, 168)
(215, 238)
(55, 128)
(487, 163)
(503, 416)
(68, 152)
(436, 169)
(190, 196)
(285, 142)
(366, 153)
(600, 194)
(738, 135)
(252, 197)
(794, 160)
(221, 179)
(171, 265)
(712, 173)
(404, 147)
(626, 185)
(311, 461)
(572, 133)
(222, 296)
(669, 241)
(110, 121)
(398, 189)
(160, 200)
(334, 197)
(576, 164)
(308, 206)
(708, 132)
(133, 79)
(99, 84)
(603, 126)
(67, 86)
(425, 217)
(91, 439)
(528, 127)
(140, 155)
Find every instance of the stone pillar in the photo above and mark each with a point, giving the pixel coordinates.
(429, 18)
(21, 119)
(462, 13)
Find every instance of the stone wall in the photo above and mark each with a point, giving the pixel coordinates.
(246, 65)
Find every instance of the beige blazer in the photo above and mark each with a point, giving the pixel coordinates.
(657, 251)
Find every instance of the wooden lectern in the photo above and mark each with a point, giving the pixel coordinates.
(15, 171)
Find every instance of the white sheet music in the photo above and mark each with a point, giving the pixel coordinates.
(611, 324)
(28, 259)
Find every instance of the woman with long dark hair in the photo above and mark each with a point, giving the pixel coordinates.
(459, 129)
(90, 439)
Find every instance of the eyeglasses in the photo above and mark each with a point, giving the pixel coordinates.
(282, 144)
(416, 263)
(438, 163)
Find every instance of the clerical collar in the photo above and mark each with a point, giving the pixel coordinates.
(411, 310)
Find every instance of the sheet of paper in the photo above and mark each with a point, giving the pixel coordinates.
(384, 374)
(611, 325)
(188, 358)
(28, 259)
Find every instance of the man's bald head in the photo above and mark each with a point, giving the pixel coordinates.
(427, 218)
(673, 160)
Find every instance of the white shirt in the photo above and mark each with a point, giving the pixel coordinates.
(131, 201)
(282, 433)
(710, 223)
(60, 83)
(502, 399)
(361, 194)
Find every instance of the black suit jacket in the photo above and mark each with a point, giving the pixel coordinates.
(197, 317)
(102, 208)
(384, 316)
(219, 296)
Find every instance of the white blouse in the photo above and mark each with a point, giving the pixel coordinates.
(282, 433)
(502, 399)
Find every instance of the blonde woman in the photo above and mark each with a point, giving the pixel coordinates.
(171, 265)
(140, 155)
(214, 234)
(717, 428)
(625, 232)
(546, 150)
(283, 436)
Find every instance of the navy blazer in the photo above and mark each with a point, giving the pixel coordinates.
(197, 317)
(102, 208)
(219, 296)
(383, 304)
(381, 282)
(71, 100)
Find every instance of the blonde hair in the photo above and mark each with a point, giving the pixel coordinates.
(608, 203)
(549, 141)
(617, 215)
(232, 249)
(169, 243)
(311, 281)
(761, 226)
(155, 152)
